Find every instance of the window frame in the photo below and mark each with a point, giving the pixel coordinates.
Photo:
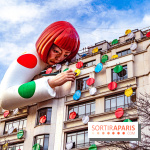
(84, 105)
(131, 39)
(93, 62)
(117, 77)
(76, 134)
(35, 140)
(127, 50)
(14, 121)
(116, 96)
(15, 145)
(86, 86)
(38, 116)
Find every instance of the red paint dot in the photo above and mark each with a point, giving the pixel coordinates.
(42, 119)
(72, 115)
(6, 113)
(148, 34)
(90, 81)
(49, 70)
(79, 64)
(119, 113)
(27, 60)
(112, 86)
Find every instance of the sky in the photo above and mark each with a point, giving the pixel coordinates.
(22, 21)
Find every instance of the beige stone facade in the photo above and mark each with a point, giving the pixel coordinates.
(60, 127)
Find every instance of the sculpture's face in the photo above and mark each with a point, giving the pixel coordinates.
(57, 55)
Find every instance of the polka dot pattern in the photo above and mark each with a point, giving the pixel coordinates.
(79, 64)
(90, 81)
(112, 86)
(119, 113)
(27, 90)
(27, 60)
(49, 70)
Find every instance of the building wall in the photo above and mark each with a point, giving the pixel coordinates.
(138, 65)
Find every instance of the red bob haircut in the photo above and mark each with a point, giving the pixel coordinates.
(60, 33)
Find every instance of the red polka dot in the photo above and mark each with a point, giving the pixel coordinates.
(79, 64)
(72, 115)
(148, 34)
(119, 113)
(49, 70)
(90, 81)
(42, 119)
(6, 113)
(27, 60)
(112, 86)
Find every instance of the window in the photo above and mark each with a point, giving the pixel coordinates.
(43, 140)
(81, 84)
(17, 124)
(79, 138)
(121, 75)
(84, 109)
(117, 101)
(130, 39)
(99, 49)
(15, 147)
(125, 52)
(90, 63)
(44, 112)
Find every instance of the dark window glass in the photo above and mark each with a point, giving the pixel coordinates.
(17, 124)
(82, 109)
(118, 101)
(18, 146)
(43, 140)
(120, 76)
(81, 84)
(90, 63)
(79, 138)
(99, 49)
(119, 54)
(44, 112)
(130, 39)
(125, 52)
(134, 120)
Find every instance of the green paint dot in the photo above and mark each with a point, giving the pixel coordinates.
(127, 120)
(20, 134)
(104, 58)
(118, 69)
(27, 90)
(115, 41)
(93, 147)
(36, 147)
(66, 69)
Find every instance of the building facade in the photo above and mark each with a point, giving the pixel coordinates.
(58, 129)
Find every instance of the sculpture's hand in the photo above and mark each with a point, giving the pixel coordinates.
(62, 78)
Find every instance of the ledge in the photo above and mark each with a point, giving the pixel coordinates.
(13, 141)
(97, 118)
(12, 138)
(14, 117)
(42, 125)
(102, 91)
(119, 60)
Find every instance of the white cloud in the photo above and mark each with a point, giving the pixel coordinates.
(22, 22)
(15, 11)
(26, 29)
(65, 4)
(10, 51)
(146, 20)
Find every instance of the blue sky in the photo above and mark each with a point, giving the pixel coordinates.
(22, 21)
